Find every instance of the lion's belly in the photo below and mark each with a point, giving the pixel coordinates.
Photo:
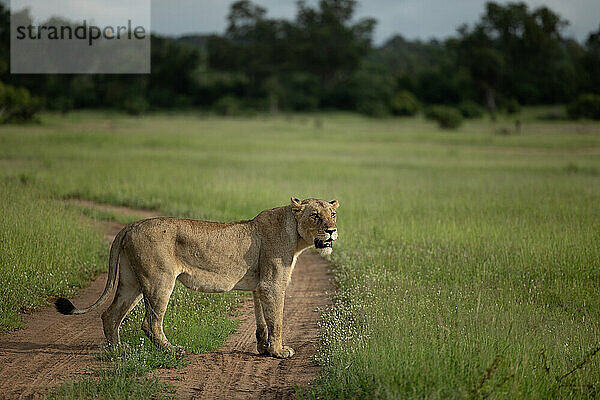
(212, 271)
(248, 281)
(211, 282)
(218, 260)
(206, 281)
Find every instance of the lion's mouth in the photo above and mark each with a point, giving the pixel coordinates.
(322, 244)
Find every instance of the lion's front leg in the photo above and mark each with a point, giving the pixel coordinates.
(271, 300)
(262, 332)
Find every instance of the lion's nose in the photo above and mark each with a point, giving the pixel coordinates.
(330, 231)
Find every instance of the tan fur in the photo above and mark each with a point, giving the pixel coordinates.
(256, 255)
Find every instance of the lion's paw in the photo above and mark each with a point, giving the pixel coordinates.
(285, 352)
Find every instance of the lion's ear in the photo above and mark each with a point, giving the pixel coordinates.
(335, 204)
(296, 205)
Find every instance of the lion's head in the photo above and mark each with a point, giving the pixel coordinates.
(316, 222)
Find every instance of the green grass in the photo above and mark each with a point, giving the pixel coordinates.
(114, 383)
(44, 251)
(103, 215)
(468, 262)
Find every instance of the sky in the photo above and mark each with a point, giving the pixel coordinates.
(423, 19)
(413, 19)
(97, 12)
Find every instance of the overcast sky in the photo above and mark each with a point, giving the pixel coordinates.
(102, 13)
(422, 19)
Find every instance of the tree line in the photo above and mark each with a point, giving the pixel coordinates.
(324, 58)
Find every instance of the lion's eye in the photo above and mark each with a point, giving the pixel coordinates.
(315, 215)
(332, 215)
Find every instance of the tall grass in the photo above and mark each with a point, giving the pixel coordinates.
(44, 250)
(467, 263)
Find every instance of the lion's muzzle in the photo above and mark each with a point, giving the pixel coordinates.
(328, 241)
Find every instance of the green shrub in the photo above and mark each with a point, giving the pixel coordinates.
(585, 106)
(227, 106)
(404, 103)
(301, 92)
(470, 109)
(17, 104)
(367, 91)
(513, 106)
(376, 108)
(135, 105)
(446, 117)
(64, 104)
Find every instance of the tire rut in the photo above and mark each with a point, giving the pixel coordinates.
(51, 349)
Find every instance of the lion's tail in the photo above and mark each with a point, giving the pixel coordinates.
(64, 306)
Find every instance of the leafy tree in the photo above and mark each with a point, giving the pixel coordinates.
(590, 64)
(484, 62)
(4, 39)
(329, 43)
(280, 58)
(324, 58)
(407, 58)
(585, 106)
(172, 82)
(368, 91)
(404, 103)
(17, 104)
(258, 47)
(519, 53)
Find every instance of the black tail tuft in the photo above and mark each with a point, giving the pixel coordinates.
(64, 306)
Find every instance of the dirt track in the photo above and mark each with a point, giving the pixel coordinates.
(236, 371)
(54, 348)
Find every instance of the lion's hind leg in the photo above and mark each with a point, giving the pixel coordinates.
(156, 299)
(262, 333)
(127, 296)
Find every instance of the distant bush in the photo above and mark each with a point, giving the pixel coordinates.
(301, 92)
(404, 103)
(83, 91)
(470, 109)
(375, 108)
(512, 106)
(135, 105)
(585, 106)
(64, 104)
(368, 92)
(227, 106)
(17, 104)
(446, 117)
(553, 115)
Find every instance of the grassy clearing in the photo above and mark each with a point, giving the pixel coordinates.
(44, 251)
(468, 261)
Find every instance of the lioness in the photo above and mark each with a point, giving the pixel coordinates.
(257, 255)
